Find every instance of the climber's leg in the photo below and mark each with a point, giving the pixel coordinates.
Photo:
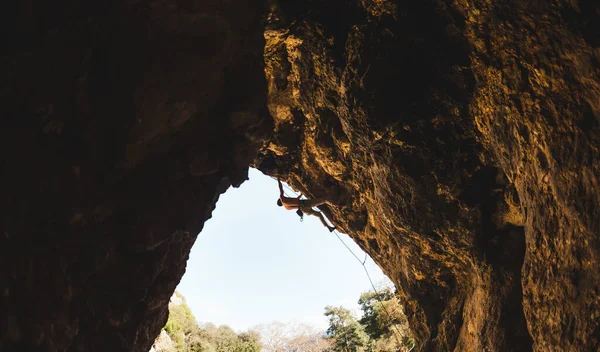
(315, 202)
(310, 211)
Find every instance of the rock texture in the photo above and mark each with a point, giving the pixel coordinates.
(457, 140)
(122, 122)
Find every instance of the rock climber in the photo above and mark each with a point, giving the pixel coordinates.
(304, 206)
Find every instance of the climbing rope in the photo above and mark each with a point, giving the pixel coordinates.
(362, 262)
(284, 185)
(387, 313)
(288, 188)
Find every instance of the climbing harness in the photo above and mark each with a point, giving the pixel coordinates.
(362, 262)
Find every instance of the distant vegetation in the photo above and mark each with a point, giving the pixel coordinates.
(183, 334)
(383, 327)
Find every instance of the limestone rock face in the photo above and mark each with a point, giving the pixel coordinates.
(456, 140)
(163, 343)
(122, 122)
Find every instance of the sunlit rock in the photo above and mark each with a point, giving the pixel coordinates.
(458, 140)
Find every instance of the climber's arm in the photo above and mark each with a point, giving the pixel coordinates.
(280, 188)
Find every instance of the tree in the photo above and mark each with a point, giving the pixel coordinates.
(384, 321)
(383, 326)
(225, 339)
(197, 344)
(249, 342)
(374, 319)
(274, 336)
(280, 337)
(181, 323)
(344, 330)
(308, 342)
(187, 336)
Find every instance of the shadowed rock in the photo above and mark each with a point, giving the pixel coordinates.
(458, 138)
(120, 127)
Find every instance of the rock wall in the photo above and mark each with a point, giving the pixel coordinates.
(456, 140)
(122, 122)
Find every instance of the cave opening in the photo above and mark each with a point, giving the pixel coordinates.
(255, 263)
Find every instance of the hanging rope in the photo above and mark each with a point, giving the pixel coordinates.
(284, 185)
(362, 262)
(289, 188)
(387, 313)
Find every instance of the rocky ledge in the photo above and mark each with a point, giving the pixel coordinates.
(458, 142)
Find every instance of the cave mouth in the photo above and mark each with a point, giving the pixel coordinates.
(255, 263)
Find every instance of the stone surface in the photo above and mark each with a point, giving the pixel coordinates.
(457, 141)
(122, 122)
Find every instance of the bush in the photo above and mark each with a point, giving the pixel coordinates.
(187, 336)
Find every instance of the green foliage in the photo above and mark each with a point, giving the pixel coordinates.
(172, 326)
(345, 331)
(249, 342)
(187, 336)
(382, 328)
(373, 319)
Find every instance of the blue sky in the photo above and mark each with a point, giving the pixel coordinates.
(254, 263)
